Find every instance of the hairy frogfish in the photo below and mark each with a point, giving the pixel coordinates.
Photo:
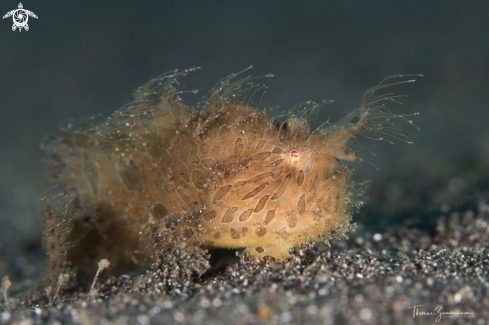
(223, 175)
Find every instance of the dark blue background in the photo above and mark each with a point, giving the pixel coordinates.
(82, 58)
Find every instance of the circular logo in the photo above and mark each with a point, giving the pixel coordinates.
(20, 17)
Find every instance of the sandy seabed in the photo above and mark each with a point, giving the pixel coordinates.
(404, 275)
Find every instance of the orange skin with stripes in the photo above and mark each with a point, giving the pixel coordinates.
(270, 192)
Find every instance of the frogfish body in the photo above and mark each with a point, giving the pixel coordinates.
(243, 179)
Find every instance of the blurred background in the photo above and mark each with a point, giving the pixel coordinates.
(81, 59)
